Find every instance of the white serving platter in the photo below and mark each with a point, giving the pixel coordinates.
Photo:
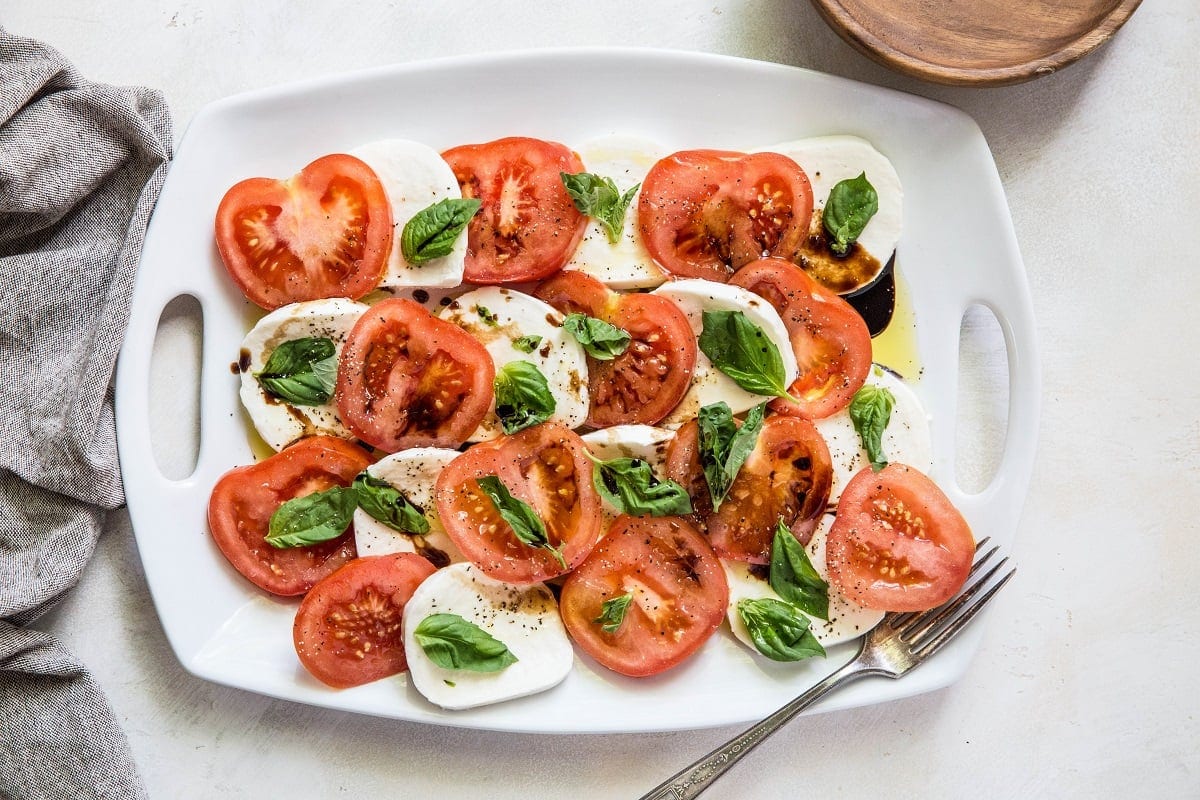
(958, 249)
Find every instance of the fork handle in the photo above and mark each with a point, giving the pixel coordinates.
(693, 779)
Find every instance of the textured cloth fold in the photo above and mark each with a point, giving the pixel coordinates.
(81, 165)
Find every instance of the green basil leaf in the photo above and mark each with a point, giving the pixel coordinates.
(526, 344)
(870, 411)
(487, 315)
(523, 397)
(612, 613)
(600, 199)
(602, 340)
(519, 515)
(452, 642)
(778, 630)
(301, 371)
(633, 488)
(850, 206)
(431, 232)
(794, 578)
(741, 350)
(388, 504)
(724, 447)
(312, 519)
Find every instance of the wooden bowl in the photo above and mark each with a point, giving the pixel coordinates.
(976, 42)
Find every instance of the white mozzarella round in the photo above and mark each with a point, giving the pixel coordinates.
(626, 264)
(905, 439)
(709, 385)
(847, 620)
(644, 442)
(277, 422)
(524, 618)
(497, 317)
(415, 177)
(413, 472)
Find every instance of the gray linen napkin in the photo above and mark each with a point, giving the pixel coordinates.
(81, 165)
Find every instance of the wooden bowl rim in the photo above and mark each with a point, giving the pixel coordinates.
(849, 28)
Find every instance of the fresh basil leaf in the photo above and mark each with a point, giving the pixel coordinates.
(487, 315)
(519, 515)
(779, 631)
(603, 341)
(301, 371)
(600, 199)
(633, 488)
(388, 504)
(741, 350)
(431, 232)
(452, 642)
(312, 519)
(523, 397)
(724, 447)
(794, 578)
(870, 411)
(612, 613)
(850, 206)
(526, 344)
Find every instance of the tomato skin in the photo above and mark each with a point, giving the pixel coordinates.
(789, 474)
(898, 543)
(830, 339)
(644, 383)
(671, 559)
(243, 500)
(408, 379)
(348, 630)
(528, 226)
(705, 213)
(545, 466)
(324, 232)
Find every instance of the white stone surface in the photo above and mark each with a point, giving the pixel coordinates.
(1085, 685)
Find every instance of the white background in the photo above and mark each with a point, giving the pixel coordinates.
(1086, 683)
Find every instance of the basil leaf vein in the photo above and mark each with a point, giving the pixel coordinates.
(523, 397)
(388, 505)
(600, 199)
(612, 612)
(850, 206)
(744, 352)
(779, 631)
(602, 340)
(794, 578)
(520, 516)
(871, 411)
(431, 232)
(633, 488)
(312, 519)
(452, 642)
(302, 372)
(724, 447)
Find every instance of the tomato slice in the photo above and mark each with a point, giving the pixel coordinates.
(242, 502)
(348, 630)
(705, 213)
(408, 379)
(898, 543)
(528, 226)
(545, 466)
(789, 474)
(649, 379)
(678, 589)
(830, 339)
(324, 232)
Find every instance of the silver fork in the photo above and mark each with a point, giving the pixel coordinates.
(898, 644)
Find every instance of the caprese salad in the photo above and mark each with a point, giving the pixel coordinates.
(525, 397)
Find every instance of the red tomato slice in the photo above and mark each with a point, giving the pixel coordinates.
(408, 379)
(830, 339)
(528, 226)
(705, 213)
(644, 383)
(242, 502)
(898, 543)
(348, 630)
(544, 466)
(678, 587)
(324, 232)
(789, 474)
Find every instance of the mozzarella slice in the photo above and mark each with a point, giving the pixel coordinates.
(277, 422)
(524, 618)
(644, 442)
(905, 439)
(414, 473)
(415, 177)
(497, 317)
(709, 384)
(626, 264)
(847, 620)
